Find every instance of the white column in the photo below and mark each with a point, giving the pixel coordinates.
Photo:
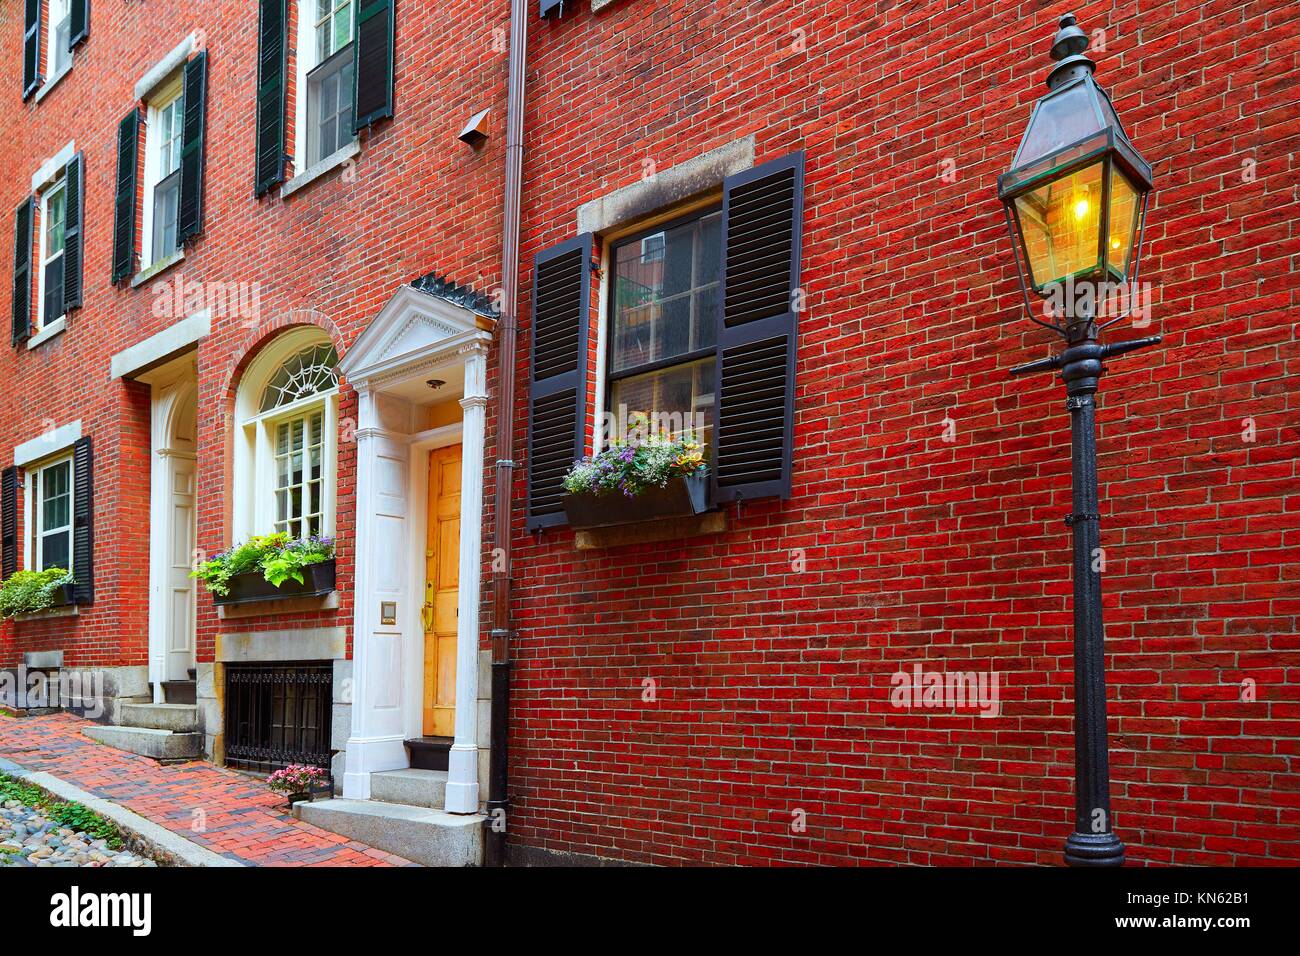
(462, 768)
(376, 739)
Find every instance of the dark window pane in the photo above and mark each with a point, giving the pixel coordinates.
(55, 550)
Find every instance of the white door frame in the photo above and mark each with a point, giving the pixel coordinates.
(170, 394)
(414, 335)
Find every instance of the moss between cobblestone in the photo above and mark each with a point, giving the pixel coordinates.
(65, 813)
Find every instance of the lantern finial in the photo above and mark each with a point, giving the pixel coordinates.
(1068, 48)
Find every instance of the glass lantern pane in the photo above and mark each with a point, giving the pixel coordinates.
(1123, 224)
(1061, 118)
(1060, 222)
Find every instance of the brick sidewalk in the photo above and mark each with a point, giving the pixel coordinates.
(227, 812)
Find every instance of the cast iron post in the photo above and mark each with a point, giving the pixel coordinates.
(1093, 842)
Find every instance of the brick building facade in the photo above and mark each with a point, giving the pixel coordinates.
(718, 689)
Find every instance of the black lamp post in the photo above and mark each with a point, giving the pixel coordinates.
(1076, 202)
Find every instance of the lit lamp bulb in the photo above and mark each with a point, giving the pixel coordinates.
(1081, 209)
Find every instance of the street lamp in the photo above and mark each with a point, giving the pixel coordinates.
(1076, 202)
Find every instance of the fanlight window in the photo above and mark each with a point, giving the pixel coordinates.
(310, 371)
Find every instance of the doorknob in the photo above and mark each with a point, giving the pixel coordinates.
(427, 613)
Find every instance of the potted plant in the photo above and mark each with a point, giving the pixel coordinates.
(297, 781)
(270, 567)
(640, 478)
(26, 592)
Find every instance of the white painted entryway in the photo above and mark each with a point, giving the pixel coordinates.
(420, 355)
(173, 522)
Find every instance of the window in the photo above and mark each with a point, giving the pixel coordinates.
(663, 325)
(52, 516)
(163, 172)
(53, 232)
(329, 101)
(333, 27)
(285, 453)
(59, 52)
(327, 75)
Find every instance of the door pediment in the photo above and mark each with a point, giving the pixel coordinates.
(413, 328)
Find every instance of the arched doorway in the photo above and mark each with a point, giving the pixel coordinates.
(173, 532)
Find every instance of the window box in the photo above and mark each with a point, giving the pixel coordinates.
(680, 497)
(318, 580)
(62, 596)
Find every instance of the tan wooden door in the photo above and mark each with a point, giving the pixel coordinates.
(442, 577)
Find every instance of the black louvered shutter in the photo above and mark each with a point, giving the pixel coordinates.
(557, 394)
(189, 218)
(75, 178)
(78, 22)
(270, 93)
(22, 293)
(83, 521)
(128, 135)
(762, 215)
(373, 64)
(31, 47)
(8, 521)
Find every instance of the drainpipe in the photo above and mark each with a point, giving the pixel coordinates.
(498, 772)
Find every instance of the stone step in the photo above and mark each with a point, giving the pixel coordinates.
(420, 834)
(149, 742)
(412, 787)
(181, 718)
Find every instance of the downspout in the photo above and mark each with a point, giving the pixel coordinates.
(498, 769)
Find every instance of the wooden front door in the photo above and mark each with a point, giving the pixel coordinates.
(442, 578)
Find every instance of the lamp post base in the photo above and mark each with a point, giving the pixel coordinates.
(1094, 849)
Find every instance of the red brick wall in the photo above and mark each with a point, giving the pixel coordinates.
(772, 678)
(416, 200)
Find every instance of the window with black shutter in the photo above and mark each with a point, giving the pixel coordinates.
(8, 521)
(128, 132)
(374, 62)
(663, 307)
(762, 215)
(74, 181)
(31, 47)
(271, 61)
(79, 20)
(558, 380)
(83, 521)
(190, 214)
(22, 288)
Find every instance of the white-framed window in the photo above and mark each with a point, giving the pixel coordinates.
(53, 226)
(164, 124)
(286, 444)
(661, 334)
(49, 492)
(58, 53)
(325, 73)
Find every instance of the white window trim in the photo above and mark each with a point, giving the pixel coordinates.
(35, 515)
(306, 62)
(47, 45)
(165, 93)
(42, 320)
(254, 459)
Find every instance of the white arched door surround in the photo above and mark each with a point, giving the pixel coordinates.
(173, 522)
(418, 348)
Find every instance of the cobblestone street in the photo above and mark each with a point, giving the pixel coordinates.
(230, 813)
